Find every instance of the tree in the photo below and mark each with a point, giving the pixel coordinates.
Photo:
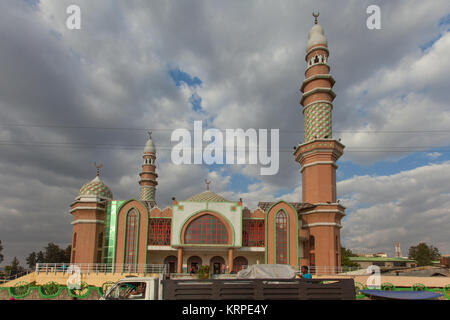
(345, 258)
(1, 249)
(54, 254)
(423, 254)
(32, 260)
(15, 267)
(40, 258)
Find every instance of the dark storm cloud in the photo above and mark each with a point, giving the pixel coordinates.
(115, 73)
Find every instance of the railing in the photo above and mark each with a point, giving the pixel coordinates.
(100, 268)
(331, 269)
(15, 276)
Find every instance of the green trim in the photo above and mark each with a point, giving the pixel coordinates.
(125, 235)
(206, 211)
(296, 230)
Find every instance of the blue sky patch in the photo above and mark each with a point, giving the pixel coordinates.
(179, 76)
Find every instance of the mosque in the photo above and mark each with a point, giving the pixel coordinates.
(207, 229)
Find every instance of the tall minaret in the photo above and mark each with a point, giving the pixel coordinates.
(319, 152)
(148, 174)
(398, 251)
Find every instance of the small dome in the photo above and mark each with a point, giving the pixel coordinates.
(207, 196)
(96, 188)
(316, 37)
(150, 146)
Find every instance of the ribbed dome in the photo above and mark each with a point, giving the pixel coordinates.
(150, 146)
(96, 188)
(207, 196)
(316, 37)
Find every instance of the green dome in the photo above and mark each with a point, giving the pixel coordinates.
(96, 188)
(207, 196)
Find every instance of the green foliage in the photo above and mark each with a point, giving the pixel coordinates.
(345, 261)
(203, 272)
(52, 254)
(20, 290)
(15, 267)
(50, 288)
(81, 293)
(31, 260)
(423, 254)
(387, 286)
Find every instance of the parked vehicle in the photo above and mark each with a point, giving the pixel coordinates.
(134, 288)
(264, 283)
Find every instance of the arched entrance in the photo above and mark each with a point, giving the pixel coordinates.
(193, 263)
(239, 263)
(171, 261)
(217, 265)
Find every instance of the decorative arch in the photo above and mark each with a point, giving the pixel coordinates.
(217, 265)
(208, 221)
(171, 261)
(141, 232)
(131, 237)
(291, 235)
(194, 261)
(239, 263)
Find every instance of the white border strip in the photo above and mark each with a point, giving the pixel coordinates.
(87, 221)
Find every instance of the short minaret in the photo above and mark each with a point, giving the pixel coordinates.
(319, 152)
(148, 174)
(88, 212)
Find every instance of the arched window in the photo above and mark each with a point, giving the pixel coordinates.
(171, 261)
(281, 237)
(131, 237)
(193, 263)
(239, 263)
(217, 265)
(206, 229)
(74, 241)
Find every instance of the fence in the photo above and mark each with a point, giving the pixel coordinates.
(100, 268)
(15, 276)
(267, 289)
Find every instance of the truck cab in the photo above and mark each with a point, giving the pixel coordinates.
(134, 288)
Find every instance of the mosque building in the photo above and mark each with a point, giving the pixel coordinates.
(207, 229)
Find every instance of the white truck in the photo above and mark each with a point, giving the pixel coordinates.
(259, 282)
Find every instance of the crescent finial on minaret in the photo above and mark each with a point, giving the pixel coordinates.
(315, 15)
(207, 184)
(149, 134)
(98, 166)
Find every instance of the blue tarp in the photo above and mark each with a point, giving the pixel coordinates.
(402, 295)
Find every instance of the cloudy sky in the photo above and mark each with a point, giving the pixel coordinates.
(72, 97)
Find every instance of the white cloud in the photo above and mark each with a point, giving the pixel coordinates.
(409, 207)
